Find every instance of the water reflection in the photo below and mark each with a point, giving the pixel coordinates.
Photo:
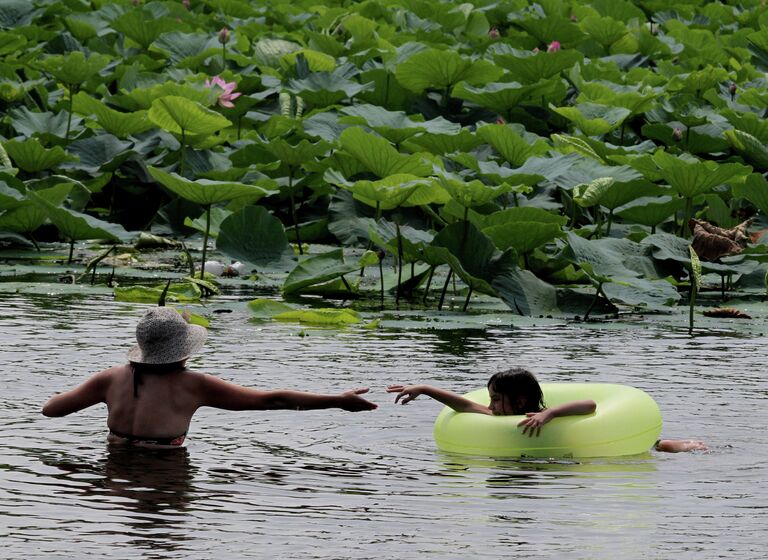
(459, 342)
(149, 492)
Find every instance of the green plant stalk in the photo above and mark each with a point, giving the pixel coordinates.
(381, 280)
(71, 89)
(399, 264)
(71, 250)
(692, 303)
(432, 273)
(466, 301)
(294, 217)
(181, 154)
(687, 213)
(609, 223)
(594, 300)
(205, 238)
(445, 289)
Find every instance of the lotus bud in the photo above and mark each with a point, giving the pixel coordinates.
(574, 19)
(677, 134)
(224, 36)
(554, 46)
(535, 50)
(381, 254)
(500, 120)
(732, 89)
(494, 33)
(185, 3)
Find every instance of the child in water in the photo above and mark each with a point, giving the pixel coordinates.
(151, 400)
(517, 391)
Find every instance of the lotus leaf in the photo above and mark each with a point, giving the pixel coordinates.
(114, 122)
(513, 147)
(186, 50)
(218, 215)
(143, 27)
(523, 236)
(320, 316)
(594, 119)
(528, 67)
(436, 69)
(31, 156)
(379, 157)
(318, 269)
(526, 294)
(178, 292)
(755, 190)
(184, 116)
(753, 150)
(267, 308)
(204, 191)
(25, 216)
(692, 178)
(73, 68)
(40, 124)
(254, 236)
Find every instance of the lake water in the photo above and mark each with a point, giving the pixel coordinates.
(336, 485)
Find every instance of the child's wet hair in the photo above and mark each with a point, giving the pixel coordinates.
(519, 382)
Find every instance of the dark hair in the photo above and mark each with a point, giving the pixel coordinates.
(518, 382)
(140, 369)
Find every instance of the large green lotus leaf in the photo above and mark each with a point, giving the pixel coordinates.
(634, 98)
(326, 88)
(644, 164)
(349, 219)
(379, 157)
(407, 241)
(318, 269)
(143, 27)
(471, 255)
(178, 292)
(31, 156)
(255, 236)
(528, 67)
(604, 30)
(99, 153)
(589, 194)
(438, 69)
(511, 145)
(218, 215)
(76, 226)
(186, 50)
(750, 123)
(471, 193)
(387, 193)
(323, 125)
(755, 190)
(522, 236)
(441, 144)
(693, 178)
(624, 268)
(143, 97)
(326, 317)
(386, 92)
(594, 119)
(10, 197)
(180, 115)
(114, 122)
(523, 214)
(295, 155)
(650, 211)
(569, 144)
(27, 216)
(703, 139)
(750, 148)
(269, 52)
(395, 126)
(619, 193)
(74, 67)
(499, 97)
(551, 28)
(30, 123)
(316, 61)
(526, 294)
(698, 81)
(268, 308)
(204, 191)
(11, 42)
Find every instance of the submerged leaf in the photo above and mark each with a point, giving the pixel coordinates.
(726, 313)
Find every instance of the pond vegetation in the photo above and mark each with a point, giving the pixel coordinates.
(557, 156)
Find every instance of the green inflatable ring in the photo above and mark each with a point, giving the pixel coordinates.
(627, 422)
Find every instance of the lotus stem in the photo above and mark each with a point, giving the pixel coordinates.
(71, 89)
(161, 301)
(594, 301)
(429, 283)
(609, 223)
(381, 280)
(466, 301)
(691, 303)
(181, 155)
(205, 238)
(399, 264)
(71, 250)
(445, 289)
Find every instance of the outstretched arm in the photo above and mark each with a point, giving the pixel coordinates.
(230, 396)
(535, 420)
(458, 403)
(92, 391)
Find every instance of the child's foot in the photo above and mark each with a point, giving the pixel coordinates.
(680, 445)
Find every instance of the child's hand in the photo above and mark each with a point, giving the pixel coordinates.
(353, 402)
(410, 392)
(534, 421)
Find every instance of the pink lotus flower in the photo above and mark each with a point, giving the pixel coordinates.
(500, 120)
(224, 36)
(227, 97)
(554, 46)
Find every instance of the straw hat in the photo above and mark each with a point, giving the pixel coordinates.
(164, 337)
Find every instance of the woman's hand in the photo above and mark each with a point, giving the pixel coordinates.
(405, 392)
(351, 401)
(534, 421)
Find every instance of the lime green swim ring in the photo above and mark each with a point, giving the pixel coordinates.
(627, 421)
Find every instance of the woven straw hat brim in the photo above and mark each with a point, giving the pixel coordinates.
(169, 354)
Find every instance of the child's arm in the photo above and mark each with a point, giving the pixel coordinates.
(230, 396)
(452, 400)
(535, 420)
(92, 391)
(680, 445)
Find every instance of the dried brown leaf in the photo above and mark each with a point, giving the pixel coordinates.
(711, 242)
(726, 313)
